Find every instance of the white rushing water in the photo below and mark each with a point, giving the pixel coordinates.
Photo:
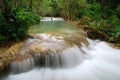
(52, 19)
(103, 63)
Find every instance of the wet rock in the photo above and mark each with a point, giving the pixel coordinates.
(20, 57)
(48, 43)
(8, 54)
(12, 53)
(21, 63)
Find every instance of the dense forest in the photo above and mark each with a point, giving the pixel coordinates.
(94, 16)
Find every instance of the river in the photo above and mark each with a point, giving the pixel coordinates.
(61, 52)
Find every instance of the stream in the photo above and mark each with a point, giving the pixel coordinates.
(56, 50)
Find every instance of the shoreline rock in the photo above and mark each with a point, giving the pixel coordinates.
(7, 55)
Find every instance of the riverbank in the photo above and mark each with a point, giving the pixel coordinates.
(97, 30)
(7, 54)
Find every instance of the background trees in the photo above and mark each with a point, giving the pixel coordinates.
(17, 15)
(104, 15)
(15, 19)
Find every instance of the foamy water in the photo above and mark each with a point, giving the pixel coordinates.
(103, 63)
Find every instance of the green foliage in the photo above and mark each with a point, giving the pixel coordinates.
(107, 22)
(45, 8)
(25, 17)
(114, 26)
(117, 11)
(16, 25)
(110, 27)
(56, 8)
(93, 11)
(68, 9)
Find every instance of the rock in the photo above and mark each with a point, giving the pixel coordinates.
(1, 66)
(7, 54)
(21, 57)
(12, 53)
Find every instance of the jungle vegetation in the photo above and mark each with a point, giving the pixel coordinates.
(95, 16)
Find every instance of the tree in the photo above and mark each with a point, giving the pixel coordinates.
(31, 5)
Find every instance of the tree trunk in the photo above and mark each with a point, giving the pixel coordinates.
(68, 12)
(3, 5)
(103, 5)
(38, 7)
(31, 5)
(5, 9)
(103, 8)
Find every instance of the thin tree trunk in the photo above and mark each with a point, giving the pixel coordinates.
(3, 5)
(5, 9)
(103, 5)
(31, 5)
(38, 7)
(103, 8)
(68, 12)
(109, 2)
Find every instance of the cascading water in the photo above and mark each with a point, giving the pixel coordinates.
(22, 63)
(47, 51)
(65, 56)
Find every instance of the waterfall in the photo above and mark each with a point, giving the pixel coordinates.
(22, 63)
(65, 55)
(103, 64)
(57, 60)
(47, 50)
